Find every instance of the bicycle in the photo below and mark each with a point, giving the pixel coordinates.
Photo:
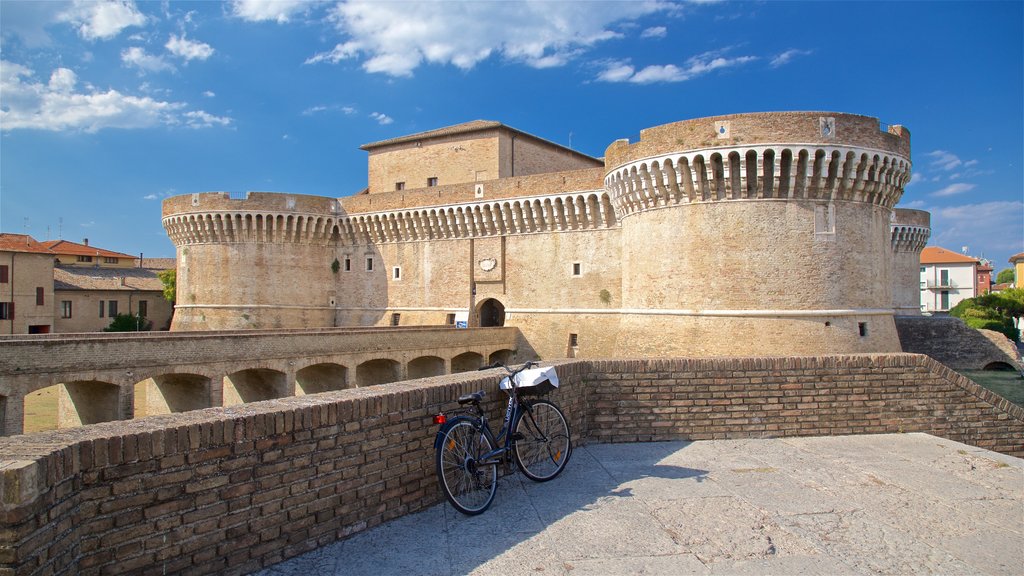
(534, 434)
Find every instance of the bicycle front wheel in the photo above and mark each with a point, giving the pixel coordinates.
(468, 484)
(543, 444)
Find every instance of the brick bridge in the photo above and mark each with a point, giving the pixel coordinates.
(107, 377)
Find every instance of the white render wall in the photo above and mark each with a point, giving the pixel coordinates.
(960, 285)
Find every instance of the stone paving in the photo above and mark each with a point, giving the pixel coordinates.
(884, 504)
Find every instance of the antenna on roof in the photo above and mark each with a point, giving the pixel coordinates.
(60, 228)
(964, 250)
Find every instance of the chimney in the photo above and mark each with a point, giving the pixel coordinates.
(85, 241)
(124, 281)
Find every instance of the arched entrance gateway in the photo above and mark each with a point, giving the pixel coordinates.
(492, 313)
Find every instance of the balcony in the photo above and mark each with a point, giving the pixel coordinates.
(947, 284)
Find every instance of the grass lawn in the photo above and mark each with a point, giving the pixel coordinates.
(1006, 383)
(41, 410)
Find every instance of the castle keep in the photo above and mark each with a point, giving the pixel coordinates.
(747, 234)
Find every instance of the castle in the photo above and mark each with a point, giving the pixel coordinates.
(747, 234)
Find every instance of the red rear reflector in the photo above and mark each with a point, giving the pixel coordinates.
(440, 419)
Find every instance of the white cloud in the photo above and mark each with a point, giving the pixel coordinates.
(953, 190)
(620, 71)
(787, 56)
(145, 62)
(942, 160)
(395, 38)
(280, 11)
(916, 204)
(61, 104)
(346, 110)
(209, 94)
(990, 227)
(150, 197)
(188, 49)
(201, 119)
(102, 20)
(654, 32)
(382, 119)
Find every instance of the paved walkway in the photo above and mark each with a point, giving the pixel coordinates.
(886, 504)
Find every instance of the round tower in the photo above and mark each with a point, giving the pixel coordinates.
(910, 230)
(758, 233)
(266, 261)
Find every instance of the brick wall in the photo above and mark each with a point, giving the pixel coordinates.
(231, 490)
(954, 343)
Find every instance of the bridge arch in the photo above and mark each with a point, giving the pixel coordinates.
(378, 371)
(467, 362)
(87, 402)
(504, 356)
(171, 393)
(254, 385)
(424, 367)
(324, 377)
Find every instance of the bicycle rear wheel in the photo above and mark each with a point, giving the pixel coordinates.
(467, 484)
(543, 444)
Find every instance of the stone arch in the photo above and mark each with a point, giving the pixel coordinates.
(768, 174)
(491, 313)
(425, 367)
(750, 174)
(378, 371)
(786, 174)
(734, 186)
(317, 378)
(172, 393)
(254, 385)
(84, 402)
(467, 362)
(504, 356)
(1000, 367)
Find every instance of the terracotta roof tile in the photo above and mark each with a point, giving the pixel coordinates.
(96, 278)
(22, 243)
(76, 249)
(936, 255)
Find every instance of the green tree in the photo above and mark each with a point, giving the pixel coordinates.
(998, 311)
(170, 281)
(128, 323)
(1005, 276)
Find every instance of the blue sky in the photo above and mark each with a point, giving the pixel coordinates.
(106, 108)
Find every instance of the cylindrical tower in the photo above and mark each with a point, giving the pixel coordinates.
(263, 262)
(758, 234)
(910, 230)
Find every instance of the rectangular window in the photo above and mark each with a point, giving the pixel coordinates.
(944, 277)
(577, 269)
(369, 264)
(65, 308)
(450, 320)
(922, 270)
(101, 308)
(395, 318)
(109, 260)
(112, 308)
(85, 258)
(396, 273)
(6, 310)
(432, 181)
(862, 327)
(143, 308)
(3, 274)
(574, 340)
(348, 264)
(40, 296)
(945, 300)
(399, 185)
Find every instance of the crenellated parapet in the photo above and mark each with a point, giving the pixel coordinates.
(586, 210)
(910, 230)
(796, 155)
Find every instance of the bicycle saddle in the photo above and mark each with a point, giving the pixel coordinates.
(473, 398)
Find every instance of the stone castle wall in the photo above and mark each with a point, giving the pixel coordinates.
(758, 233)
(910, 232)
(233, 490)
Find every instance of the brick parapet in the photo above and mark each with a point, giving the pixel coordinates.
(233, 490)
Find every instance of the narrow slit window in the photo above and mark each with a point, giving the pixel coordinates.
(862, 327)
(396, 273)
(574, 340)
(395, 319)
(369, 264)
(577, 269)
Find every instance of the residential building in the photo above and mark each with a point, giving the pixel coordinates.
(74, 254)
(88, 298)
(946, 279)
(984, 283)
(26, 285)
(1018, 269)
